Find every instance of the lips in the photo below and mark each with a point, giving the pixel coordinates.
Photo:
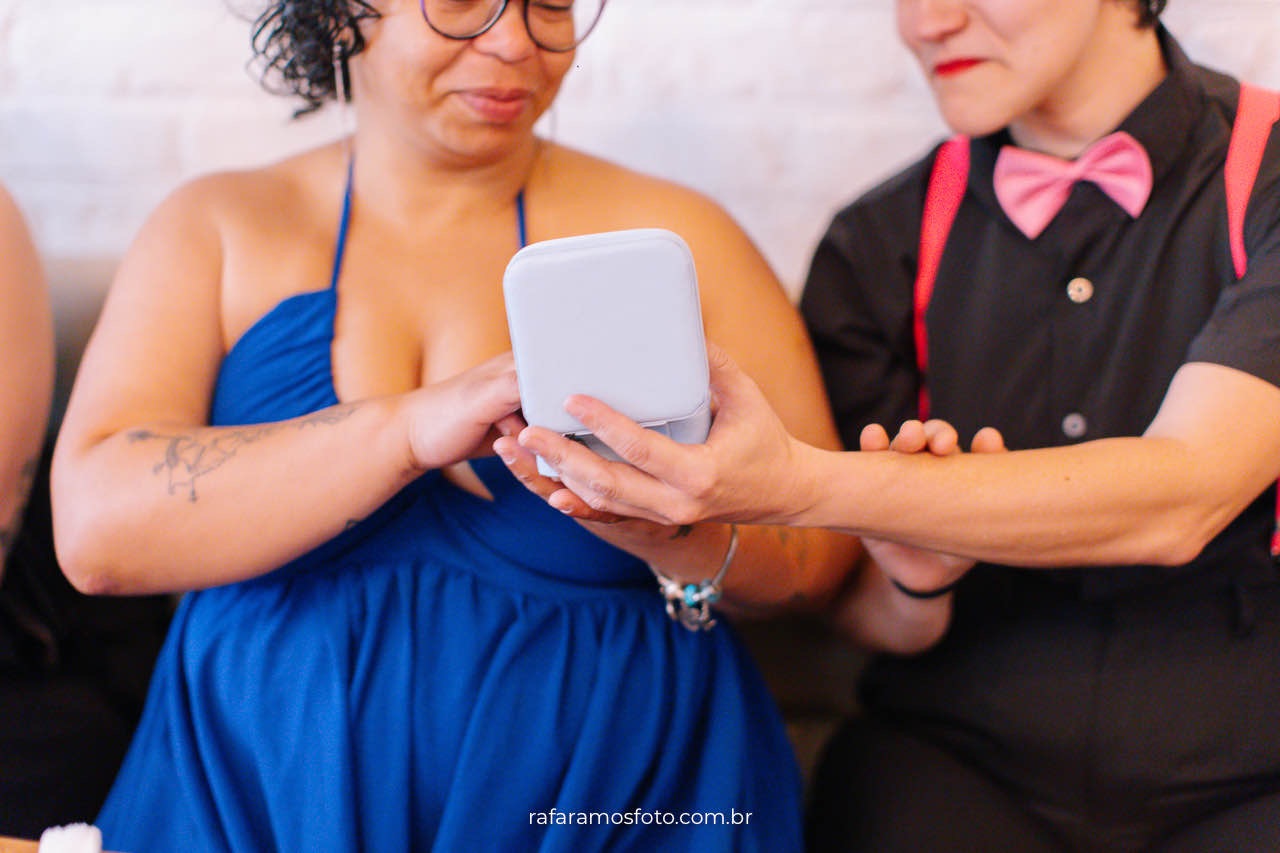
(952, 67)
(497, 105)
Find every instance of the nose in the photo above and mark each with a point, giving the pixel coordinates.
(930, 20)
(508, 39)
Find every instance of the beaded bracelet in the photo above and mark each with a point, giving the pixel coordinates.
(690, 603)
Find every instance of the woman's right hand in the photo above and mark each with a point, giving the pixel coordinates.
(746, 471)
(455, 419)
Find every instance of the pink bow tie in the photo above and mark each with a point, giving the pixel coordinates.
(1033, 187)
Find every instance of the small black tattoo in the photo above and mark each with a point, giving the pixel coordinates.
(189, 456)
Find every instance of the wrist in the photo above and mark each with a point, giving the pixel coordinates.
(689, 603)
(403, 411)
(919, 594)
(688, 553)
(804, 494)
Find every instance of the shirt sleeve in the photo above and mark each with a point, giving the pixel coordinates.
(1244, 329)
(857, 307)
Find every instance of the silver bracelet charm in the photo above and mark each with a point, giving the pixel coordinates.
(690, 603)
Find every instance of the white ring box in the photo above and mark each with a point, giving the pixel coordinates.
(614, 316)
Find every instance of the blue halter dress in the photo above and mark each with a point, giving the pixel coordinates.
(451, 674)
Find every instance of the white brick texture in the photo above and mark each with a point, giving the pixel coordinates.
(780, 109)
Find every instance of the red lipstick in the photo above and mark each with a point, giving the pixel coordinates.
(954, 66)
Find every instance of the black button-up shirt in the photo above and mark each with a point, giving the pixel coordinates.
(1074, 335)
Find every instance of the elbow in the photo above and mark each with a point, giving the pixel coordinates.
(1178, 548)
(80, 555)
(1178, 538)
(81, 541)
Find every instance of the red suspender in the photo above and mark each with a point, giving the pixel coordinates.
(1258, 110)
(946, 189)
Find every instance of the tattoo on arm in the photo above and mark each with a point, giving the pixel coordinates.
(795, 543)
(189, 456)
(682, 531)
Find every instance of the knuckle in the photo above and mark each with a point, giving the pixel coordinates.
(701, 481)
(635, 451)
(602, 488)
(683, 513)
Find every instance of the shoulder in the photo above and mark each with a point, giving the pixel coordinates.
(887, 216)
(10, 216)
(20, 275)
(15, 238)
(597, 195)
(591, 191)
(280, 196)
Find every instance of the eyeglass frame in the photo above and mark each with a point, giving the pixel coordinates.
(502, 10)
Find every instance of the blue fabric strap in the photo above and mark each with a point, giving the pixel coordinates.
(520, 224)
(341, 248)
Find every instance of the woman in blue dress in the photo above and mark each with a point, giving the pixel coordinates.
(286, 411)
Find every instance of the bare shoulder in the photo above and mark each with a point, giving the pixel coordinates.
(10, 216)
(276, 196)
(600, 196)
(616, 196)
(20, 275)
(240, 241)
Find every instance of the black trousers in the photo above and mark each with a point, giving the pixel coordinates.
(1049, 723)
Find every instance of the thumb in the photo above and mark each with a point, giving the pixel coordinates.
(728, 381)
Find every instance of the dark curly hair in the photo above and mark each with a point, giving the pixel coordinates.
(297, 43)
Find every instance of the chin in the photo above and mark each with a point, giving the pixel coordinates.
(971, 122)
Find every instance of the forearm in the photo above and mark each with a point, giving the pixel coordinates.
(1113, 501)
(157, 508)
(21, 439)
(26, 384)
(879, 617)
(15, 488)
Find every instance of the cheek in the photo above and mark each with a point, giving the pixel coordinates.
(1044, 37)
(556, 66)
(904, 22)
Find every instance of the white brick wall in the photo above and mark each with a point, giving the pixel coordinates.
(781, 109)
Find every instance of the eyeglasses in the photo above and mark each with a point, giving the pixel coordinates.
(555, 25)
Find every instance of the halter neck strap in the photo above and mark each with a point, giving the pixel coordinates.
(341, 248)
(521, 227)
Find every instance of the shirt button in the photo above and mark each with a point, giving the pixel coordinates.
(1074, 425)
(1079, 290)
